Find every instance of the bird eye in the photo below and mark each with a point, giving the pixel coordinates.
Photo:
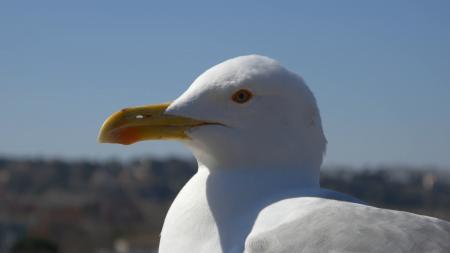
(242, 96)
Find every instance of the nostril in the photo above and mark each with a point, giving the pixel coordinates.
(141, 116)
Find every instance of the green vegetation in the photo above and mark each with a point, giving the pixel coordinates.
(34, 245)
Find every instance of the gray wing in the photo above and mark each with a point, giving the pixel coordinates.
(335, 226)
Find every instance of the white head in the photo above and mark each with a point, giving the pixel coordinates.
(278, 126)
(245, 113)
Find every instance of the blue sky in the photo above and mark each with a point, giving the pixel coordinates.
(379, 69)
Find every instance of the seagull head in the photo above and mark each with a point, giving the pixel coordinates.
(248, 112)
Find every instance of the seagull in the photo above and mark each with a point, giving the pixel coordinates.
(255, 130)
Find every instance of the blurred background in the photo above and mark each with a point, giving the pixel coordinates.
(379, 70)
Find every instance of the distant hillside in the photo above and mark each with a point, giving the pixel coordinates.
(86, 206)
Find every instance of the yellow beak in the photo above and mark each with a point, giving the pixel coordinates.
(149, 122)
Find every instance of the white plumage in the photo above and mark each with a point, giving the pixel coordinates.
(257, 186)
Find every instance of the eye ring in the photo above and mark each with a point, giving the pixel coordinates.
(242, 96)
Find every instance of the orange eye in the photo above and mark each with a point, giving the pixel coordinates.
(242, 96)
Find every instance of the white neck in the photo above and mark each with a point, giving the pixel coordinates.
(221, 205)
(250, 184)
